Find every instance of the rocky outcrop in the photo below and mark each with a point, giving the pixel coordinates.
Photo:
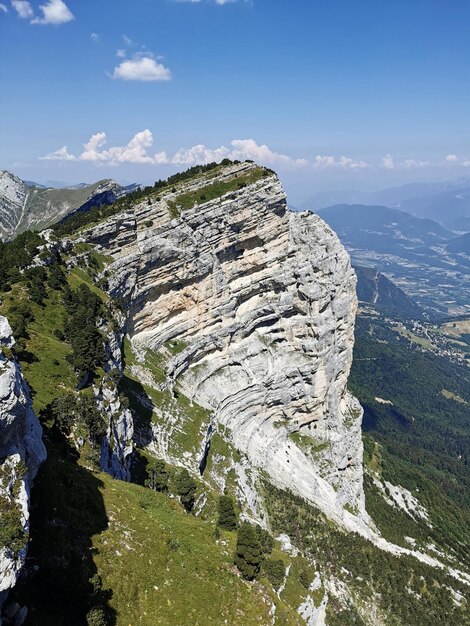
(264, 302)
(25, 206)
(117, 446)
(21, 453)
(13, 197)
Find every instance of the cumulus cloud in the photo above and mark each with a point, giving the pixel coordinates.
(142, 68)
(345, 163)
(388, 162)
(54, 12)
(95, 37)
(59, 155)
(23, 8)
(452, 158)
(466, 163)
(138, 151)
(134, 152)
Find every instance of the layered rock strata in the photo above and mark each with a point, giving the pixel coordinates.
(264, 302)
(21, 453)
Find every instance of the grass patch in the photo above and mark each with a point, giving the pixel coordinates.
(218, 189)
(308, 444)
(44, 361)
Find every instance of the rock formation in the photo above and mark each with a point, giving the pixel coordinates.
(21, 453)
(263, 301)
(24, 206)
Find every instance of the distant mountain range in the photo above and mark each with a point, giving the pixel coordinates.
(447, 202)
(420, 256)
(25, 205)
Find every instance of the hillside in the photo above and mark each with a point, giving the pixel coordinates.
(460, 244)
(200, 325)
(374, 288)
(31, 207)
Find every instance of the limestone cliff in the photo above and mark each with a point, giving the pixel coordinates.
(21, 453)
(263, 302)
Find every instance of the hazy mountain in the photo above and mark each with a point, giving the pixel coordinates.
(385, 229)
(446, 202)
(409, 250)
(450, 208)
(460, 244)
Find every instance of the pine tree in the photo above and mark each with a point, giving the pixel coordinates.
(157, 477)
(227, 515)
(186, 489)
(248, 554)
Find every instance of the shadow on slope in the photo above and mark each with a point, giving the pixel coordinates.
(61, 583)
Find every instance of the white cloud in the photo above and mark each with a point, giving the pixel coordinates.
(23, 8)
(95, 37)
(199, 154)
(452, 158)
(127, 40)
(346, 163)
(54, 12)
(466, 163)
(137, 151)
(120, 53)
(134, 152)
(142, 68)
(411, 164)
(3, 8)
(249, 149)
(388, 162)
(59, 155)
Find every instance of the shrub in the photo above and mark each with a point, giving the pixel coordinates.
(275, 571)
(186, 489)
(96, 617)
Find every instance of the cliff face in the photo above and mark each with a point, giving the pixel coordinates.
(262, 303)
(23, 207)
(21, 453)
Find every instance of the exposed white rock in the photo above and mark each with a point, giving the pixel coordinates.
(21, 453)
(382, 401)
(13, 197)
(265, 301)
(401, 498)
(311, 614)
(117, 446)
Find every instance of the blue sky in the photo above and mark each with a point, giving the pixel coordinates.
(330, 93)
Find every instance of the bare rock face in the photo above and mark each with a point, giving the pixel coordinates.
(21, 453)
(263, 302)
(13, 197)
(117, 446)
